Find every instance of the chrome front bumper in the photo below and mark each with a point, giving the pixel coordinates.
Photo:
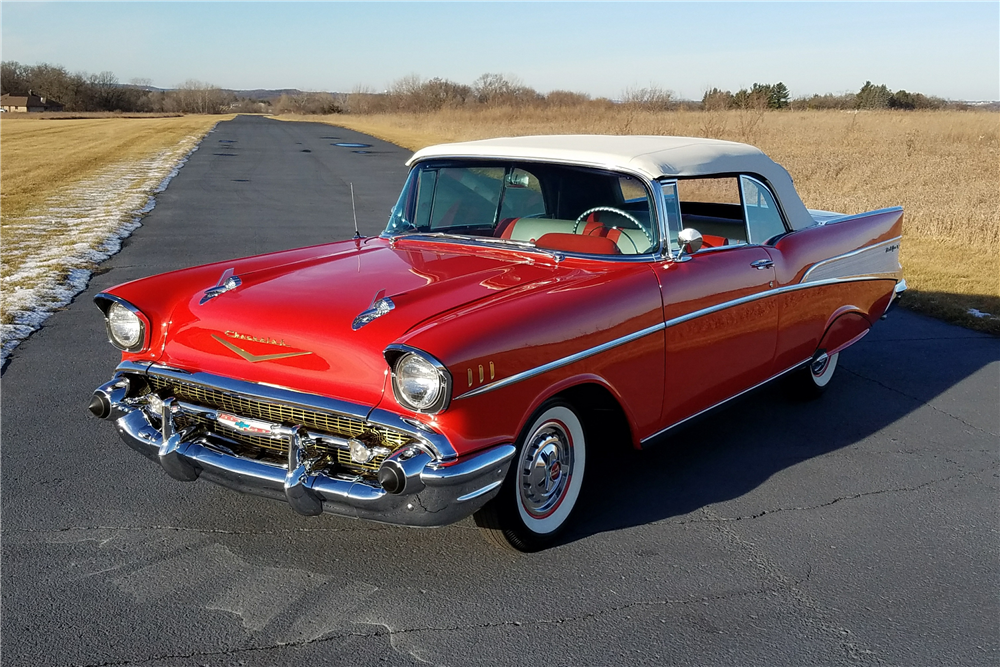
(431, 489)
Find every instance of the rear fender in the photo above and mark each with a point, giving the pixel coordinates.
(847, 326)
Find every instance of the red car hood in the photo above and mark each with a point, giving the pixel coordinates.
(290, 324)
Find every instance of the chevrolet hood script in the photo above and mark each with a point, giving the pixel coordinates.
(256, 358)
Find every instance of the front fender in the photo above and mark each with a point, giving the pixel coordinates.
(592, 322)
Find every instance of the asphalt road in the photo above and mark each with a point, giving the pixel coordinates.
(861, 529)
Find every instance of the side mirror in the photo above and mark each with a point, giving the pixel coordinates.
(690, 240)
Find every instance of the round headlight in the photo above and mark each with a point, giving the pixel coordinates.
(124, 326)
(418, 382)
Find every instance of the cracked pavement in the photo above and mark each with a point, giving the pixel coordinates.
(860, 529)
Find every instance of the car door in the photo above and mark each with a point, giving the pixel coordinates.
(720, 322)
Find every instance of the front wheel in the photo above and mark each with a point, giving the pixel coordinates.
(543, 483)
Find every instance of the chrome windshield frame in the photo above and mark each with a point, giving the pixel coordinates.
(651, 186)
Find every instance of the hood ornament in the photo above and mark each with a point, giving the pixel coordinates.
(381, 305)
(227, 282)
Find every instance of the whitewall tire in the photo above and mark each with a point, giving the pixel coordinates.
(821, 370)
(544, 481)
(812, 380)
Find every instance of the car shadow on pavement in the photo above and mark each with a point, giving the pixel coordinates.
(742, 446)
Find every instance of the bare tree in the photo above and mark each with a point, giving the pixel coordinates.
(13, 78)
(194, 96)
(566, 98)
(652, 98)
(500, 90)
(107, 93)
(308, 103)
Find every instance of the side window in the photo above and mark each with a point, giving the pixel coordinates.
(723, 190)
(763, 217)
(713, 207)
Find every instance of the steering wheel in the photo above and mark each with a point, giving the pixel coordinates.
(611, 209)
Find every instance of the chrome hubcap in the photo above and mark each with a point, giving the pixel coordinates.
(546, 467)
(820, 365)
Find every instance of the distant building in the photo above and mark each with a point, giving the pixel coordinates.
(28, 103)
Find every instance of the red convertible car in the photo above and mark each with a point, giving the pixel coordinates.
(525, 292)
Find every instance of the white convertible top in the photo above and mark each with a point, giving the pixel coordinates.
(652, 156)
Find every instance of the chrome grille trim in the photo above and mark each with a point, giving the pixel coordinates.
(199, 405)
(271, 411)
(436, 443)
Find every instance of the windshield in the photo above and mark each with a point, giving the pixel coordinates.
(559, 207)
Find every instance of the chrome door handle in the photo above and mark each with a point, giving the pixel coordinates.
(763, 264)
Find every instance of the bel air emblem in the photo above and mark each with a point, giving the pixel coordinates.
(245, 425)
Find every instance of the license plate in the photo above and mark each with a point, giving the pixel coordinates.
(245, 424)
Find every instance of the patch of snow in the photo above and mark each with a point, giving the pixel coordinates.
(48, 258)
(978, 313)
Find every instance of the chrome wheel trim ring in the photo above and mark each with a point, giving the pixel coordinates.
(821, 374)
(546, 467)
(550, 470)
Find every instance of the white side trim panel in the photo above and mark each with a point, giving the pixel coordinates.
(879, 260)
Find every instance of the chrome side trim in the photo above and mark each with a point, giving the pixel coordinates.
(687, 419)
(436, 442)
(853, 266)
(559, 363)
(768, 293)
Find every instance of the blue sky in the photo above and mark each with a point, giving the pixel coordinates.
(947, 49)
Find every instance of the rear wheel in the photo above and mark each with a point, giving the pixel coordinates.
(543, 483)
(812, 380)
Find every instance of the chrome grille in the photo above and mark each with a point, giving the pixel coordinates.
(287, 415)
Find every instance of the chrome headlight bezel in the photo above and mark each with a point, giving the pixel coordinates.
(107, 303)
(396, 355)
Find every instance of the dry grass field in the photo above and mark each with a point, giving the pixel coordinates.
(69, 191)
(41, 155)
(942, 167)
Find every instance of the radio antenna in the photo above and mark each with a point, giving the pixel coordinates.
(354, 210)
